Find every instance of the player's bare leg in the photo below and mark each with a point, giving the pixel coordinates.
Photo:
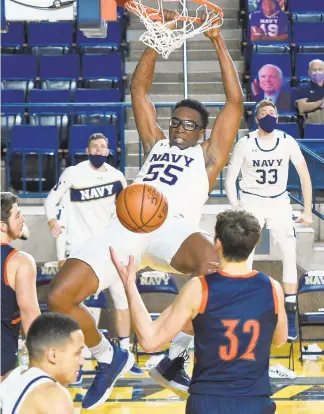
(74, 282)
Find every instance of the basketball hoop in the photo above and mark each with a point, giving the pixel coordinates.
(159, 35)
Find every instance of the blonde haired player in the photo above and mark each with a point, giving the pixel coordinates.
(262, 157)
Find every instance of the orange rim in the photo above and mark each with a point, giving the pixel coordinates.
(128, 5)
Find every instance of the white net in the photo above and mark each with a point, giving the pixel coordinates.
(164, 39)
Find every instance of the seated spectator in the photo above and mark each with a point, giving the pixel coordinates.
(269, 85)
(269, 22)
(310, 96)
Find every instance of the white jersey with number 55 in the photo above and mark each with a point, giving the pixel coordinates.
(264, 164)
(180, 175)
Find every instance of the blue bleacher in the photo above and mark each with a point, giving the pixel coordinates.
(314, 131)
(303, 6)
(113, 40)
(308, 33)
(12, 96)
(41, 96)
(98, 95)
(15, 37)
(291, 128)
(65, 67)
(18, 67)
(33, 157)
(107, 68)
(50, 37)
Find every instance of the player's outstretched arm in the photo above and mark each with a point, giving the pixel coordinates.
(225, 128)
(281, 333)
(152, 335)
(306, 218)
(25, 287)
(144, 111)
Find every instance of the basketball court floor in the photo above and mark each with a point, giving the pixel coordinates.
(141, 395)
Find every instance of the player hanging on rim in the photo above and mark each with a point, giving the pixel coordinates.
(185, 171)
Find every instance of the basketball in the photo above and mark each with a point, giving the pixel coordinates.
(141, 208)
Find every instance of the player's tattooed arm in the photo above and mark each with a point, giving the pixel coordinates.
(143, 108)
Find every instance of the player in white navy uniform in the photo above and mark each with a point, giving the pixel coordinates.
(54, 344)
(263, 158)
(185, 171)
(86, 195)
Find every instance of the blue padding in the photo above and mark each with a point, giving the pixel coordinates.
(312, 281)
(15, 35)
(80, 134)
(102, 66)
(41, 95)
(290, 128)
(308, 33)
(314, 131)
(59, 67)
(302, 63)
(20, 67)
(50, 34)
(315, 145)
(163, 283)
(97, 301)
(98, 95)
(34, 138)
(305, 6)
(113, 37)
(12, 96)
(311, 318)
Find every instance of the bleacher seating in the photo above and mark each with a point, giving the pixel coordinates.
(308, 33)
(302, 6)
(18, 72)
(14, 39)
(33, 158)
(314, 131)
(50, 38)
(302, 64)
(59, 72)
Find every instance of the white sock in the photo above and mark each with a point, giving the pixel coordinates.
(124, 342)
(179, 344)
(103, 352)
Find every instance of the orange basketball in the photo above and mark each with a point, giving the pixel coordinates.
(141, 208)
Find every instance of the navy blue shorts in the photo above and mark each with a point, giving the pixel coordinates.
(9, 346)
(213, 404)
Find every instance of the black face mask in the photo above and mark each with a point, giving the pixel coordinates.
(268, 123)
(97, 160)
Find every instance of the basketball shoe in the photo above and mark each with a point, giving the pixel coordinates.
(106, 376)
(171, 374)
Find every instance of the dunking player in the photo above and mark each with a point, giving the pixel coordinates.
(236, 314)
(263, 158)
(19, 303)
(54, 344)
(92, 187)
(185, 172)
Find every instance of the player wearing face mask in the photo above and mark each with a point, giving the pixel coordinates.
(263, 158)
(310, 96)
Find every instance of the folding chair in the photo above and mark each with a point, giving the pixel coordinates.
(310, 283)
(154, 282)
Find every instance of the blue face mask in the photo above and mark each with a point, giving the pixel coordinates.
(268, 123)
(97, 160)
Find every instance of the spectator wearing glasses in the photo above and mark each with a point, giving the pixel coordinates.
(310, 96)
